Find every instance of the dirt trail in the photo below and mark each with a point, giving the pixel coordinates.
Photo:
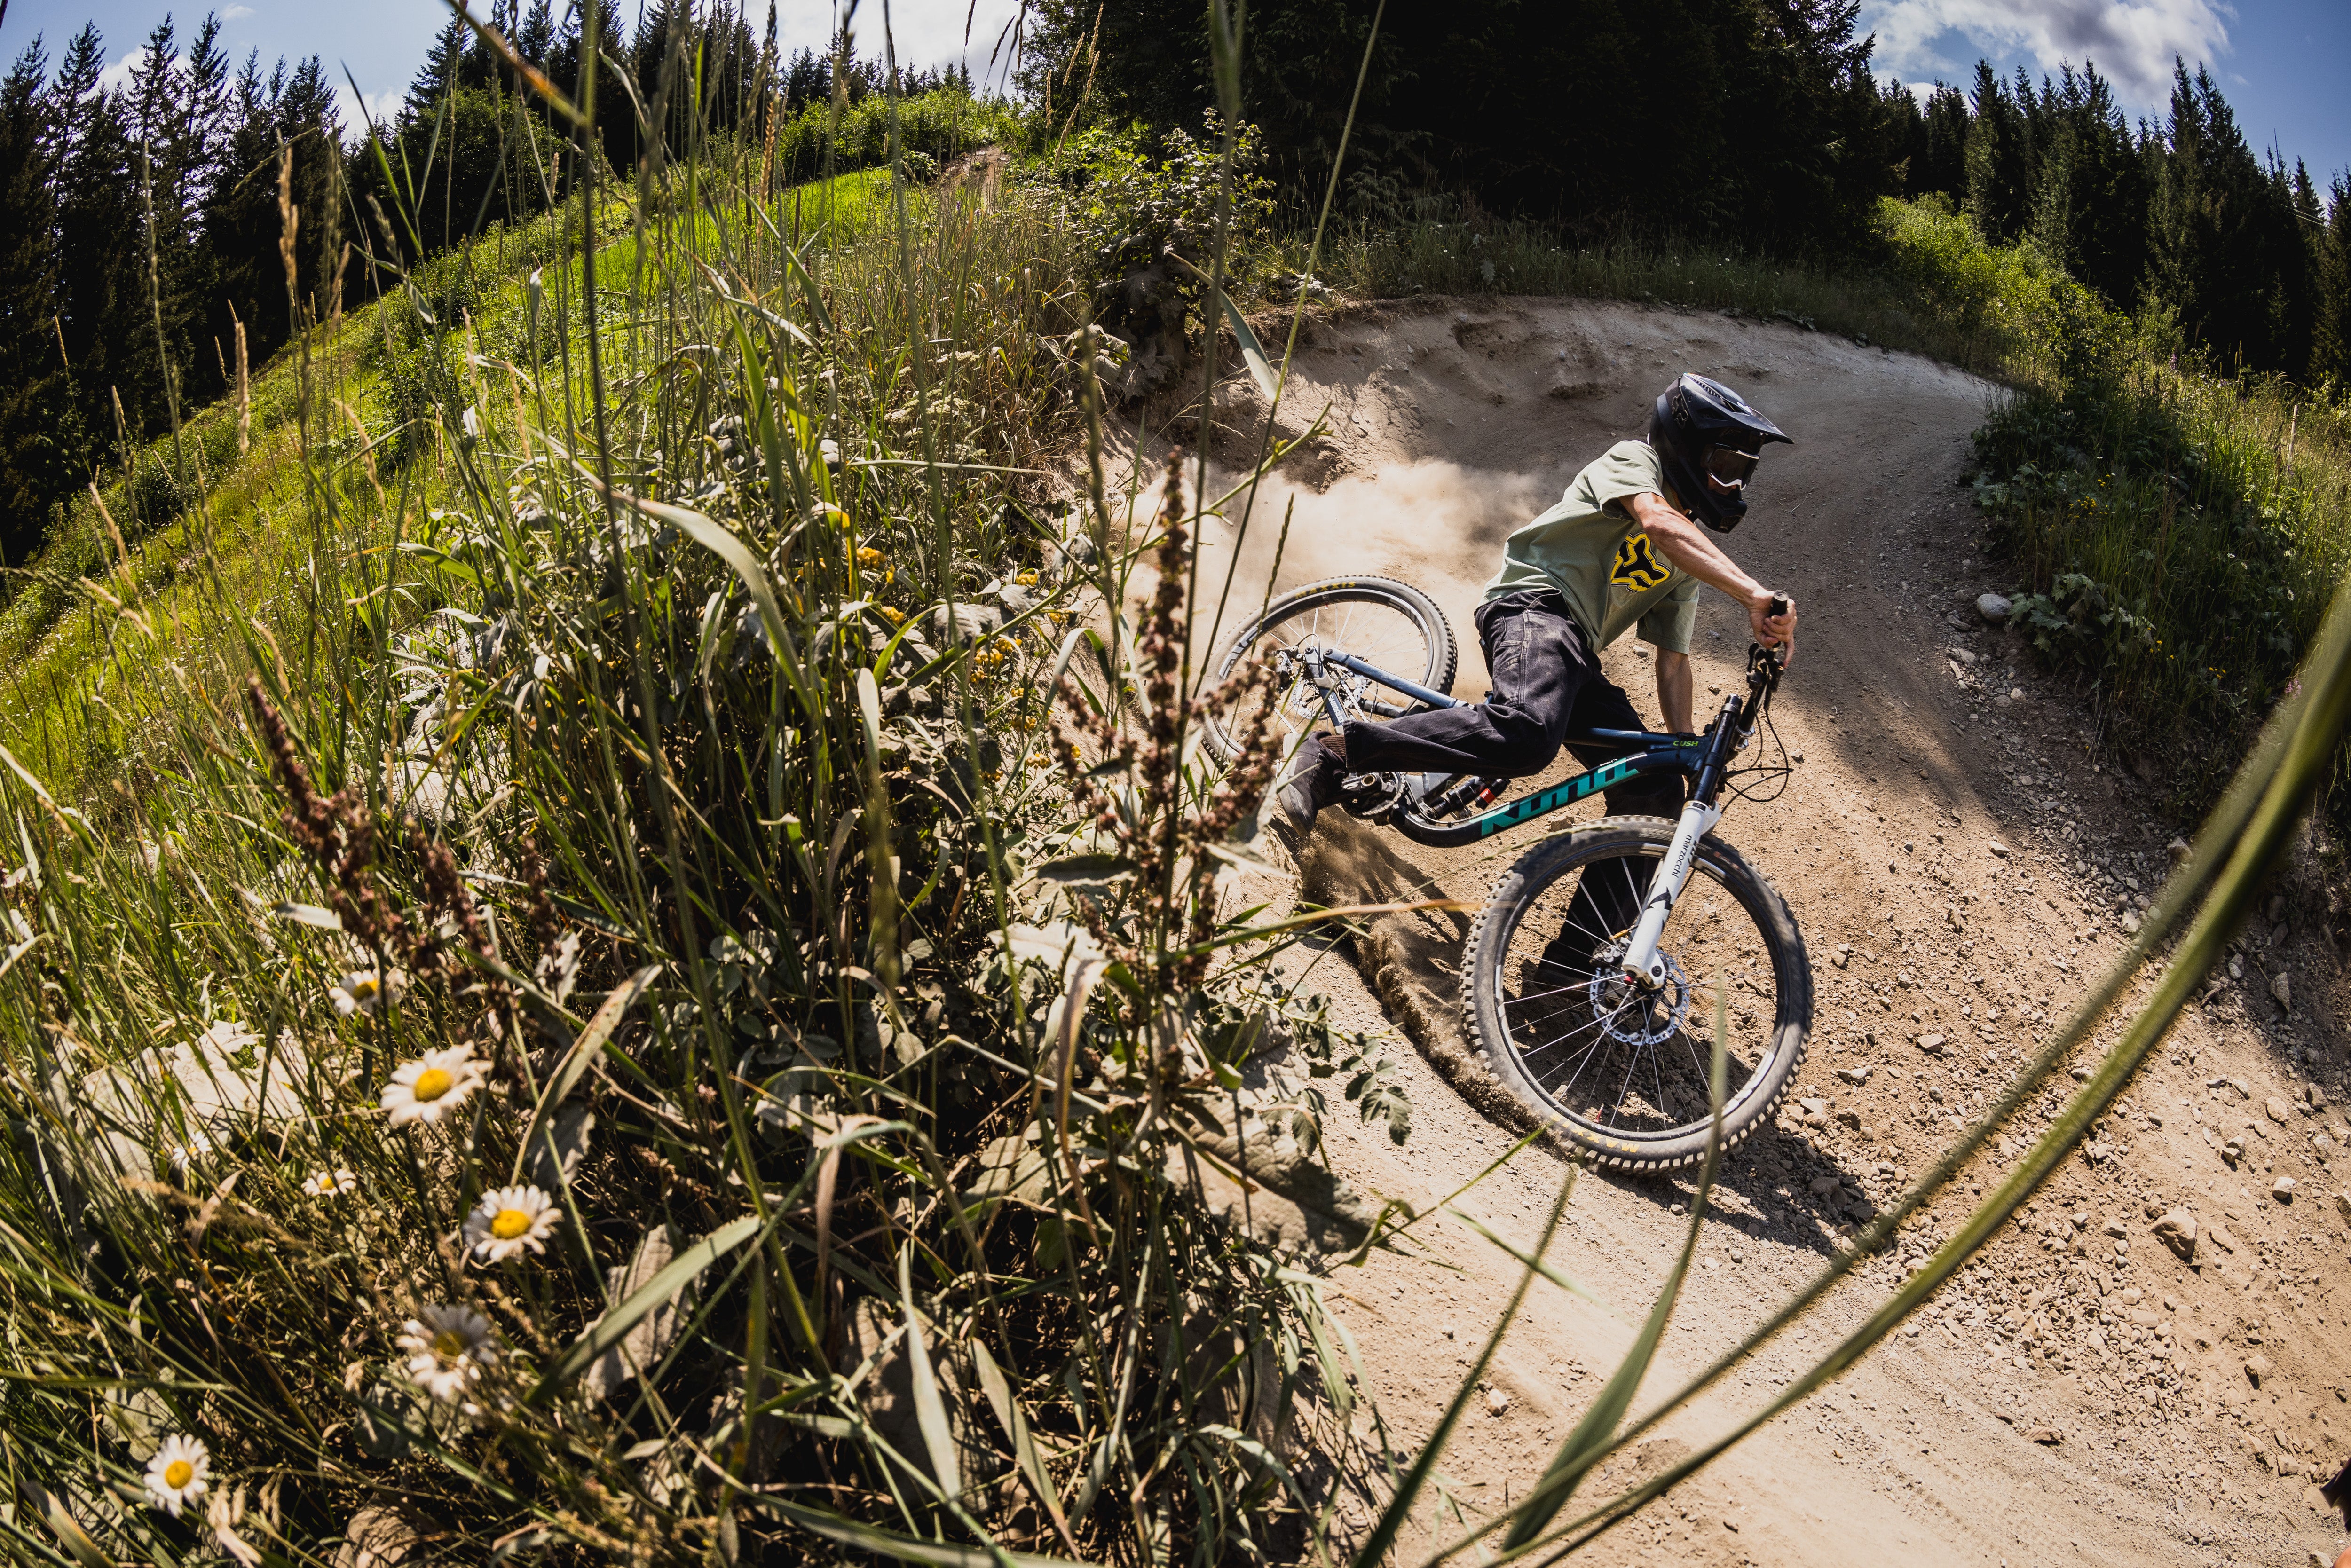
(1959, 864)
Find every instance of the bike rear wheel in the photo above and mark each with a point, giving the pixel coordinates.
(1622, 1073)
(1390, 625)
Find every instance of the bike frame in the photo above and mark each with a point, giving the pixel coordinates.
(1705, 758)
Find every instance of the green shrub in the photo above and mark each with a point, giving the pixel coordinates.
(2178, 539)
(1130, 202)
(941, 125)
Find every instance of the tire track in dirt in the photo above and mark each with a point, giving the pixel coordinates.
(1958, 863)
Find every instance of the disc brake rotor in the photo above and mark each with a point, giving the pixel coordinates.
(1637, 1015)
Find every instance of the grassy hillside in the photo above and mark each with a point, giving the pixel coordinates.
(541, 906)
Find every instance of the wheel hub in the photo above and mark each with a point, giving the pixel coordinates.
(1635, 1014)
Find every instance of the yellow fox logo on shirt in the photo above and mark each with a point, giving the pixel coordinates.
(1637, 566)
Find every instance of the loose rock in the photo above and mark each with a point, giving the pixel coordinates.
(2177, 1230)
(2274, 1108)
(2284, 1190)
(1994, 608)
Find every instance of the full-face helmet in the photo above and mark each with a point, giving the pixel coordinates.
(1708, 438)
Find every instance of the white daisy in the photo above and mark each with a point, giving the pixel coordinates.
(438, 1080)
(447, 1349)
(329, 1184)
(365, 991)
(509, 1219)
(175, 1476)
(185, 1152)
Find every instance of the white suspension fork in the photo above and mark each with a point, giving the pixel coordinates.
(1641, 962)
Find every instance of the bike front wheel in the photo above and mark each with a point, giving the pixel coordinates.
(1621, 1071)
(1386, 623)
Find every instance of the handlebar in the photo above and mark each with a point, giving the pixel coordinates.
(1765, 665)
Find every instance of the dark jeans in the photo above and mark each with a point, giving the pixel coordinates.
(1547, 684)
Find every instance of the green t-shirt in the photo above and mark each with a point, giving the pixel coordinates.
(1590, 548)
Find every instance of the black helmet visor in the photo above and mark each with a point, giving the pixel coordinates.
(1730, 467)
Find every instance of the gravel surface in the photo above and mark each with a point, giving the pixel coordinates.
(2149, 1365)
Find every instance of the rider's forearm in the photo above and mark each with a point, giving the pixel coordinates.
(1674, 690)
(1686, 548)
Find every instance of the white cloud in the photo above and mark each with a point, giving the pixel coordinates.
(381, 107)
(117, 77)
(236, 14)
(2131, 42)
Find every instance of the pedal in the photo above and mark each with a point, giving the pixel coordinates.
(1371, 797)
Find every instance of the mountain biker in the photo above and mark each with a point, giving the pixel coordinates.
(1621, 551)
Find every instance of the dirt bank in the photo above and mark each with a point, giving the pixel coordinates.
(1958, 861)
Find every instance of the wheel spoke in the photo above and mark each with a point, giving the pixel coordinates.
(1562, 1044)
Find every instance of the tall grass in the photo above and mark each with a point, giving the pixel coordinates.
(683, 1007)
(678, 1003)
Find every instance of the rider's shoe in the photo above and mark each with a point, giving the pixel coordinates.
(1310, 783)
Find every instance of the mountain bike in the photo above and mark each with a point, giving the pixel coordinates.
(1593, 975)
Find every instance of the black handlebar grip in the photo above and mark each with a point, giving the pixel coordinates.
(1779, 606)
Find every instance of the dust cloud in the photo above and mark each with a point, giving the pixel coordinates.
(1435, 524)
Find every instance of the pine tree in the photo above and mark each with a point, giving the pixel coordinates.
(443, 64)
(2330, 334)
(110, 339)
(1943, 162)
(2221, 241)
(39, 445)
(807, 81)
(1999, 159)
(534, 37)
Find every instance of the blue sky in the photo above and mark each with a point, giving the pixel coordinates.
(382, 43)
(2279, 61)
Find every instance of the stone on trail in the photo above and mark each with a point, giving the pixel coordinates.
(2177, 1230)
(2274, 1108)
(2284, 1190)
(2257, 1368)
(1932, 1044)
(2282, 989)
(1994, 608)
